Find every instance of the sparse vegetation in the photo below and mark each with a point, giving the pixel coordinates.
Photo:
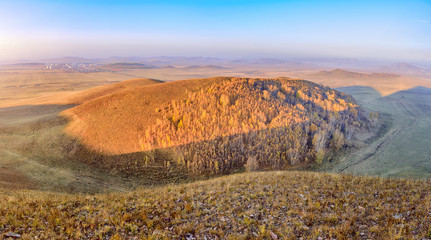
(263, 205)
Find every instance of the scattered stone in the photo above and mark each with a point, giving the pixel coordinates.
(190, 236)
(273, 235)
(12, 235)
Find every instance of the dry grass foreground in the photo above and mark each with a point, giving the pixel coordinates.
(263, 205)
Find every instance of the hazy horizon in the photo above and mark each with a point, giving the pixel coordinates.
(211, 60)
(229, 29)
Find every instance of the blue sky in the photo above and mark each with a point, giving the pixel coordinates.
(237, 28)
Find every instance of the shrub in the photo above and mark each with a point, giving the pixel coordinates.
(252, 165)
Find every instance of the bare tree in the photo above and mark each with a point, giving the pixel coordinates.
(319, 140)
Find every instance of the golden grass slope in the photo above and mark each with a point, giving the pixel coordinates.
(110, 124)
(264, 205)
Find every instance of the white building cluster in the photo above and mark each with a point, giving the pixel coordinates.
(73, 67)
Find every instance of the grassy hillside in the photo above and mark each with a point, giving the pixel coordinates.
(269, 205)
(404, 149)
(35, 153)
(218, 125)
(110, 124)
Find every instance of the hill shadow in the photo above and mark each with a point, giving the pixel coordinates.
(32, 110)
(169, 165)
(419, 90)
(361, 92)
(415, 101)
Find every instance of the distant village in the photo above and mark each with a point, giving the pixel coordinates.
(73, 67)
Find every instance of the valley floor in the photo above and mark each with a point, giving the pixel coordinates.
(403, 149)
(262, 205)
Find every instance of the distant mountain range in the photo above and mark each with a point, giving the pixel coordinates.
(127, 65)
(265, 62)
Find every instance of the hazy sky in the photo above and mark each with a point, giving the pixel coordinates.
(231, 28)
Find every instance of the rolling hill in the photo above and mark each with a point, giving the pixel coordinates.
(217, 125)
